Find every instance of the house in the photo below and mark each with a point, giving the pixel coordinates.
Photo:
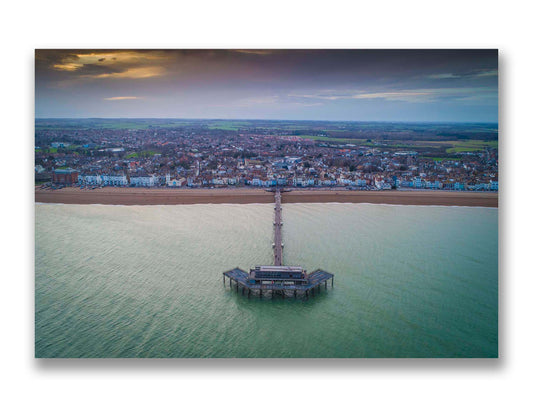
(178, 183)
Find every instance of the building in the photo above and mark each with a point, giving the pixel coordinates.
(66, 176)
(144, 181)
(59, 144)
(115, 180)
(90, 179)
(176, 182)
(291, 275)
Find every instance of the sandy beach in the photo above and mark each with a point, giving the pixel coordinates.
(145, 196)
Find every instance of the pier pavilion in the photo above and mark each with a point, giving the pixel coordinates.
(278, 278)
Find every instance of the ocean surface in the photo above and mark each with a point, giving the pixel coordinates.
(146, 281)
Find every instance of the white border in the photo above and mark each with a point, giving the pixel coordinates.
(241, 24)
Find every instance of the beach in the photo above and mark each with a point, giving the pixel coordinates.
(147, 196)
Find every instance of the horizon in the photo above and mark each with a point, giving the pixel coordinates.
(371, 85)
(268, 120)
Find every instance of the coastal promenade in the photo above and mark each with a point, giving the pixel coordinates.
(167, 196)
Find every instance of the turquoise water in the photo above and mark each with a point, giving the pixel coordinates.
(146, 281)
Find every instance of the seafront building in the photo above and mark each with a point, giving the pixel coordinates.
(67, 176)
(165, 158)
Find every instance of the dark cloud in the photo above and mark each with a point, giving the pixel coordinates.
(248, 82)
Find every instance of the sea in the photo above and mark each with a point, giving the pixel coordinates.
(146, 281)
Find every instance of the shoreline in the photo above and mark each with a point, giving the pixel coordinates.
(146, 196)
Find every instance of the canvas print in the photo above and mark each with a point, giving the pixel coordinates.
(266, 203)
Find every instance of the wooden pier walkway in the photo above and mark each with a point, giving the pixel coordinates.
(278, 244)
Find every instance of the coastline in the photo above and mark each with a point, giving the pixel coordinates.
(146, 196)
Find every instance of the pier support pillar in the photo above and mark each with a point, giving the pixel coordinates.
(260, 293)
(326, 285)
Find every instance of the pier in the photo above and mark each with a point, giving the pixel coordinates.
(278, 244)
(285, 280)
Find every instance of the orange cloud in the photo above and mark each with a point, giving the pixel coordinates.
(114, 64)
(135, 73)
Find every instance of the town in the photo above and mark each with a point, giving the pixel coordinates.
(193, 155)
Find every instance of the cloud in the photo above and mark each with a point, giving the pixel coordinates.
(122, 98)
(488, 72)
(405, 95)
(480, 73)
(255, 51)
(102, 64)
(444, 76)
(134, 73)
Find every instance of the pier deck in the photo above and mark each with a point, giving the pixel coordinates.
(315, 278)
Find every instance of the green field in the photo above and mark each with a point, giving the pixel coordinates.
(356, 141)
(228, 125)
(439, 159)
(147, 153)
(46, 150)
(452, 146)
(127, 124)
(471, 146)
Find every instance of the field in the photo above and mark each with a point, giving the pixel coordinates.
(361, 142)
(127, 124)
(472, 145)
(228, 125)
(451, 146)
(147, 153)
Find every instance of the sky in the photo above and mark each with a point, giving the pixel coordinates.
(326, 84)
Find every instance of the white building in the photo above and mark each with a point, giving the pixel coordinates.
(90, 179)
(144, 181)
(114, 180)
(327, 182)
(418, 183)
(104, 179)
(176, 182)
